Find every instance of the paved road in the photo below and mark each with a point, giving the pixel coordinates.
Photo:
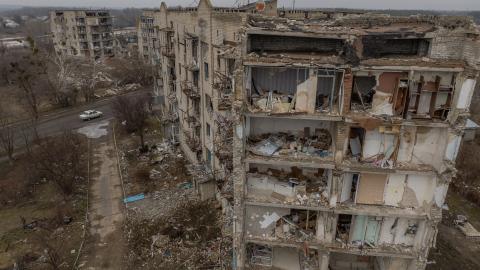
(59, 121)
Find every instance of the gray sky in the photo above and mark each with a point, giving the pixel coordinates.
(376, 4)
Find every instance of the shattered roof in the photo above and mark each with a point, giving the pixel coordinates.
(363, 24)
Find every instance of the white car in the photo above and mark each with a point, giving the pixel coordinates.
(90, 114)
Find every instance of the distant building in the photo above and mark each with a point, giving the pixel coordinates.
(86, 33)
(125, 42)
(9, 23)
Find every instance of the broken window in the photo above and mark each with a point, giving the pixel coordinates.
(362, 93)
(365, 230)
(209, 104)
(356, 137)
(208, 130)
(382, 46)
(285, 44)
(349, 188)
(431, 99)
(328, 89)
(206, 71)
(294, 90)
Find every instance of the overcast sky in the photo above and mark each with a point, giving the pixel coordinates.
(369, 4)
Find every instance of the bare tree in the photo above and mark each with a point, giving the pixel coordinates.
(7, 138)
(86, 76)
(59, 159)
(28, 72)
(59, 72)
(134, 113)
(131, 70)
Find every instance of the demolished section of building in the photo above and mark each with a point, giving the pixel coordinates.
(344, 127)
(346, 132)
(82, 32)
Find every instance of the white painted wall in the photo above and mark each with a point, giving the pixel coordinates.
(376, 143)
(430, 143)
(423, 186)
(465, 95)
(260, 125)
(453, 146)
(394, 189)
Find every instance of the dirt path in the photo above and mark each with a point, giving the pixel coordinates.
(104, 249)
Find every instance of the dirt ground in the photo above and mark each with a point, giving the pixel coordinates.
(104, 247)
(43, 207)
(453, 250)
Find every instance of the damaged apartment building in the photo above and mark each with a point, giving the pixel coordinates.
(339, 130)
(194, 52)
(346, 131)
(82, 32)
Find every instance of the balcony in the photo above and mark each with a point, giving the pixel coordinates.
(225, 103)
(192, 141)
(190, 90)
(168, 52)
(193, 66)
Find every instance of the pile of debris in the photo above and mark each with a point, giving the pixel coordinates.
(187, 237)
(287, 144)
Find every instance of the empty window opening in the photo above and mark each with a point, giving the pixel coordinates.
(343, 228)
(431, 99)
(379, 46)
(273, 89)
(286, 44)
(365, 231)
(349, 188)
(363, 92)
(206, 71)
(329, 83)
(294, 90)
(356, 139)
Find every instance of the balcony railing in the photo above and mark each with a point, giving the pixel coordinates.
(190, 90)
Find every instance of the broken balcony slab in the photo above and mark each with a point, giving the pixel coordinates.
(352, 165)
(307, 162)
(297, 116)
(357, 117)
(394, 251)
(379, 210)
(254, 202)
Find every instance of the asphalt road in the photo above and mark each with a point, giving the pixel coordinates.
(57, 122)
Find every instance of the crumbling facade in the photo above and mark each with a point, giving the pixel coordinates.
(347, 127)
(86, 33)
(344, 127)
(194, 51)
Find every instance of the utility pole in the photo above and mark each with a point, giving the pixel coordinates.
(293, 8)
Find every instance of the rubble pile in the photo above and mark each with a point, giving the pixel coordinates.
(171, 228)
(186, 237)
(287, 144)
